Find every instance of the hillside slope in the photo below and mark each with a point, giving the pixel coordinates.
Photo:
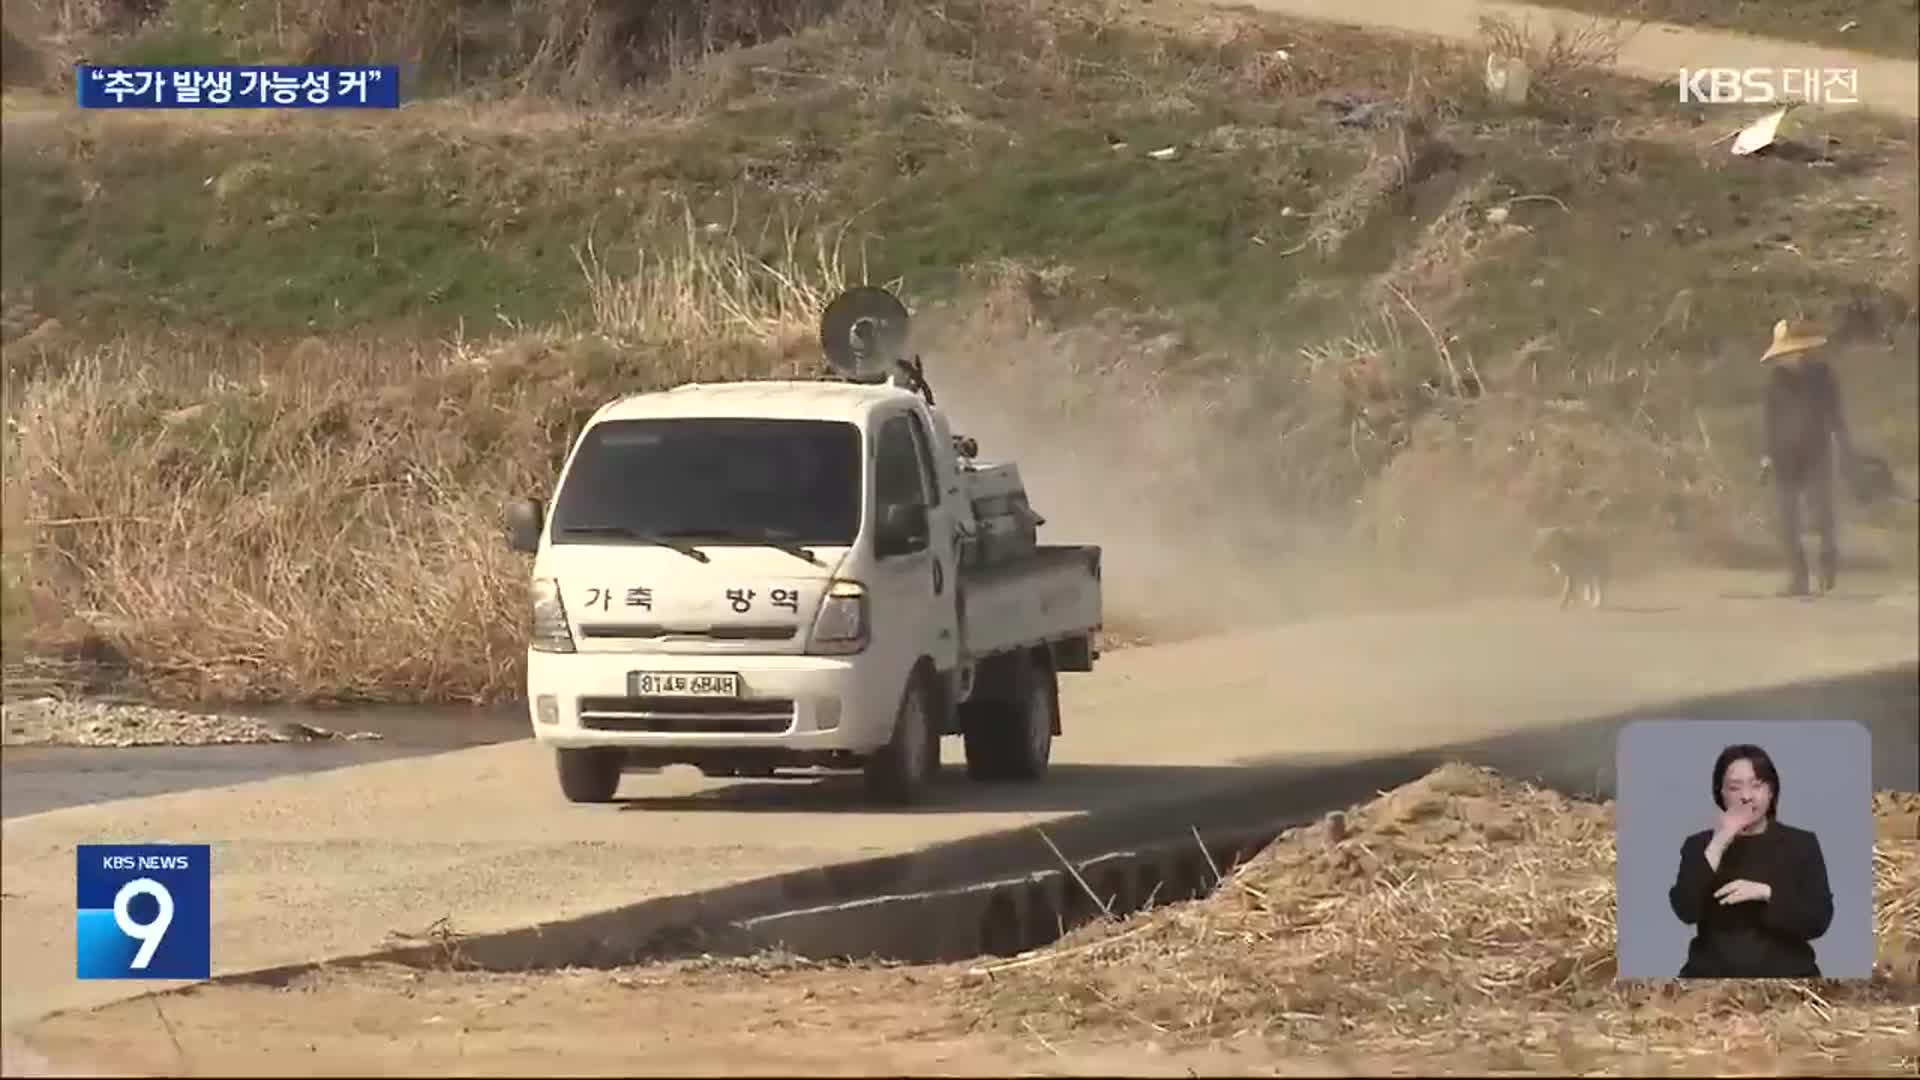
(269, 378)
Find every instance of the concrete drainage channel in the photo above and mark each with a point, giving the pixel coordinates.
(1007, 916)
(997, 894)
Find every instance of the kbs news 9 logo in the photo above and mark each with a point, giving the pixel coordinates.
(142, 911)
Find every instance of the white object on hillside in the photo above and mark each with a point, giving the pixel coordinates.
(1509, 78)
(1760, 134)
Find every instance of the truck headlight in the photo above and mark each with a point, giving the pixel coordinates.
(550, 632)
(841, 626)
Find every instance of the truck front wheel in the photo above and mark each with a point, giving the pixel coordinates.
(588, 776)
(899, 771)
(1010, 737)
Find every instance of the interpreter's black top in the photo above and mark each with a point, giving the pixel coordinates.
(1757, 939)
(1803, 413)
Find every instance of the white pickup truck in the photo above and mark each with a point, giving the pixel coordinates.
(756, 576)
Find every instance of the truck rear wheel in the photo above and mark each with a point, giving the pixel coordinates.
(1011, 737)
(899, 771)
(588, 776)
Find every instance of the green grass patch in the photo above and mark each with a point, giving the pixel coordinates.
(303, 234)
(316, 235)
(1205, 229)
(1618, 231)
(190, 33)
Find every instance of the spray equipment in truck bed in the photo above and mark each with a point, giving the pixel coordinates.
(864, 335)
(1005, 526)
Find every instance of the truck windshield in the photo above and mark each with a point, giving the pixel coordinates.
(724, 480)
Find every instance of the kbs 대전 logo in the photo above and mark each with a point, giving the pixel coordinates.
(1769, 86)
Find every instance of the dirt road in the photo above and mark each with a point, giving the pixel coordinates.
(331, 864)
(1654, 51)
(833, 1022)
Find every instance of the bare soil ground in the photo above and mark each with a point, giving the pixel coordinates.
(1882, 27)
(1364, 944)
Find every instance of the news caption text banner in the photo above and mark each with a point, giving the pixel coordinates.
(136, 87)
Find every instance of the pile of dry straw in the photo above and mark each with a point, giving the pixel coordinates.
(1468, 918)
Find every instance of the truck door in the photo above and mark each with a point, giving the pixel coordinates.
(943, 527)
(912, 600)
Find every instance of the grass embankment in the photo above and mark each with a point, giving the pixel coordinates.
(1880, 27)
(270, 379)
(1462, 903)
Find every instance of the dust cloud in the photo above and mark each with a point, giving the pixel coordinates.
(1112, 456)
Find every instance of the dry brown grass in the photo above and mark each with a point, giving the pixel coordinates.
(570, 46)
(719, 295)
(20, 65)
(1462, 915)
(1561, 61)
(323, 522)
(1453, 461)
(1432, 274)
(1357, 200)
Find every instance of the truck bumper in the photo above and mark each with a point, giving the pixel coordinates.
(790, 710)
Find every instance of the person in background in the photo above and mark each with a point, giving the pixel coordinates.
(1804, 422)
(1755, 889)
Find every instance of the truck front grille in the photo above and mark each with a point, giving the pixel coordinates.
(688, 716)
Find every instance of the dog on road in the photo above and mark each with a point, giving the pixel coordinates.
(1579, 559)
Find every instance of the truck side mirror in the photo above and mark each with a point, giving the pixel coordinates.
(901, 530)
(525, 517)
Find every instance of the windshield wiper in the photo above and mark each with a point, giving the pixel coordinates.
(632, 534)
(805, 554)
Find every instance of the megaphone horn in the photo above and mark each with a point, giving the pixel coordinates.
(864, 333)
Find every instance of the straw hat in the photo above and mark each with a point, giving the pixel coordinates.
(1791, 339)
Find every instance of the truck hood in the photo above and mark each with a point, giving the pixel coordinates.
(646, 598)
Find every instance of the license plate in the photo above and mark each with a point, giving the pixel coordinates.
(682, 684)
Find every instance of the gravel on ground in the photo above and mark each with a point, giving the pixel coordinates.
(54, 721)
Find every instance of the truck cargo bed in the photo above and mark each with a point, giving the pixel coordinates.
(1049, 595)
